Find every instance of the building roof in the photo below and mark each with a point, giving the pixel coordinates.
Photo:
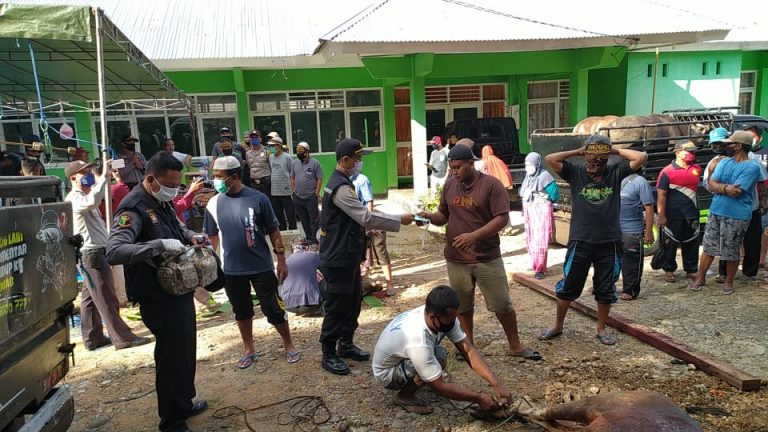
(541, 24)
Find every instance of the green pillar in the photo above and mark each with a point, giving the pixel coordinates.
(83, 130)
(421, 65)
(579, 97)
(761, 93)
(243, 118)
(390, 135)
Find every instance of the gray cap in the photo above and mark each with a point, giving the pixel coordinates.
(226, 163)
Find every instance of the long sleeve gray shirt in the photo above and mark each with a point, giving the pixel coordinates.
(87, 217)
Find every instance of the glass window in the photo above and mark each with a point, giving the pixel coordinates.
(181, 133)
(356, 98)
(268, 102)
(330, 99)
(366, 127)
(267, 124)
(151, 134)
(541, 116)
(748, 79)
(211, 128)
(332, 129)
(116, 129)
(304, 128)
(14, 131)
(302, 100)
(542, 90)
(745, 102)
(216, 104)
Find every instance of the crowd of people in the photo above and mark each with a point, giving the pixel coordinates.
(261, 191)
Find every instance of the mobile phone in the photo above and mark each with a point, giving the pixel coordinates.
(118, 163)
(420, 221)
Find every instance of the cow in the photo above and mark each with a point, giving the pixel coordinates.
(635, 411)
(591, 125)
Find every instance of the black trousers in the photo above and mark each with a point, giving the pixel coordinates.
(751, 262)
(685, 231)
(172, 321)
(308, 214)
(342, 306)
(632, 263)
(263, 185)
(283, 207)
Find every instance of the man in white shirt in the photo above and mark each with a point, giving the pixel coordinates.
(408, 355)
(99, 300)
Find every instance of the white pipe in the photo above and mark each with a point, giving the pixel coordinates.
(102, 114)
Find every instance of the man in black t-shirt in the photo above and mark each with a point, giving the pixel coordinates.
(595, 234)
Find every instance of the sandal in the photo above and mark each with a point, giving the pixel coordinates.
(606, 339)
(416, 407)
(549, 335)
(696, 286)
(246, 361)
(727, 290)
(720, 279)
(528, 354)
(626, 296)
(669, 277)
(292, 357)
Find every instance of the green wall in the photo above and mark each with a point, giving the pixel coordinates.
(608, 90)
(685, 85)
(758, 61)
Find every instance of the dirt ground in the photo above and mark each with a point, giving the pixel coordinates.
(113, 388)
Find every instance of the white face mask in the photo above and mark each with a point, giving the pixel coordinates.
(530, 169)
(165, 193)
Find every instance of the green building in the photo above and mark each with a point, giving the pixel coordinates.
(388, 76)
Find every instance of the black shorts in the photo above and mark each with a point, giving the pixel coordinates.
(605, 257)
(238, 288)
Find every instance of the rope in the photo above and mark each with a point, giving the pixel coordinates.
(43, 119)
(305, 413)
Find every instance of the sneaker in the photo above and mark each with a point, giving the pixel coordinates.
(350, 351)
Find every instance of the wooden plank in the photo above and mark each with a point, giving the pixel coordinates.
(703, 361)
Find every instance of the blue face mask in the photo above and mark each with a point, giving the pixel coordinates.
(256, 141)
(88, 180)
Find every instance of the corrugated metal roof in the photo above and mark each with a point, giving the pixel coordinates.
(222, 29)
(504, 20)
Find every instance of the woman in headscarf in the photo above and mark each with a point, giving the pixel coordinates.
(538, 192)
(496, 167)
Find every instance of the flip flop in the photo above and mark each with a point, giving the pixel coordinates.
(606, 339)
(669, 277)
(696, 286)
(727, 290)
(246, 361)
(292, 357)
(549, 335)
(528, 354)
(417, 408)
(627, 297)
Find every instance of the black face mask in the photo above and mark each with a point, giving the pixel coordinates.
(227, 152)
(301, 156)
(596, 168)
(130, 147)
(719, 150)
(443, 328)
(729, 151)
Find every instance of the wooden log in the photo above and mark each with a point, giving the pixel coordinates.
(703, 361)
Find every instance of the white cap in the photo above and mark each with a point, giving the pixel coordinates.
(275, 140)
(273, 134)
(304, 144)
(226, 163)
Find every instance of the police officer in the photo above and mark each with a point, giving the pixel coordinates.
(145, 226)
(342, 248)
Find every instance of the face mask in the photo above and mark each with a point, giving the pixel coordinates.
(444, 328)
(256, 141)
(358, 167)
(301, 156)
(88, 180)
(718, 150)
(272, 150)
(729, 151)
(220, 185)
(227, 152)
(689, 157)
(165, 193)
(530, 169)
(130, 147)
(596, 167)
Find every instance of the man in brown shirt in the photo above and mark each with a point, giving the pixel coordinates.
(477, 207)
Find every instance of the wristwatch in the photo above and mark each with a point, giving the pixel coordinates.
(279, 250)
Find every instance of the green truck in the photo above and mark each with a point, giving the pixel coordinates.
(38, 285)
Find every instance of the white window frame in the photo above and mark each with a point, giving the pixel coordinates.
(218, 115)
(347, 110)
(751, 90)
(557, 101)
